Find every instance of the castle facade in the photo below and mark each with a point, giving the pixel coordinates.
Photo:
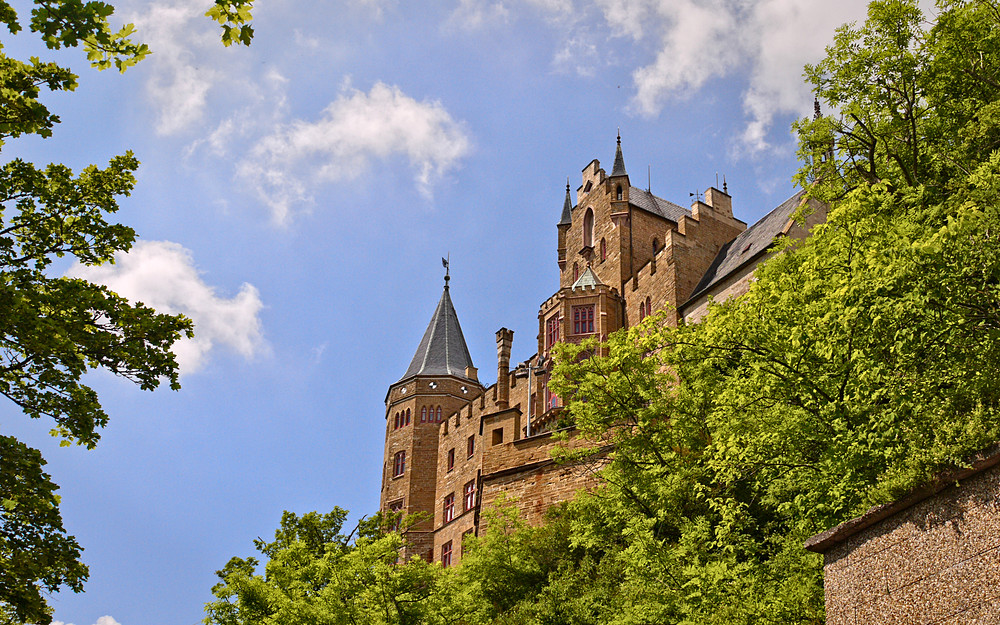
(454, 445)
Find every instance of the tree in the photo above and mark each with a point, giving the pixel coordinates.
(316, 574)
(55, 329)
(860, 363)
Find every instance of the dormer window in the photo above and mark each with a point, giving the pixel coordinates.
(588, 228)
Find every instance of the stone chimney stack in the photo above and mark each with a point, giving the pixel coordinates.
(505, 338)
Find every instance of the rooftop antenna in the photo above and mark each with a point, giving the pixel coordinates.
(716, 180)
(649, 180)
(447, 269)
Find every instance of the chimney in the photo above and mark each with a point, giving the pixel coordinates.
(505, 338)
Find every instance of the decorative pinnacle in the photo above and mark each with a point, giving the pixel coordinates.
(619, 167)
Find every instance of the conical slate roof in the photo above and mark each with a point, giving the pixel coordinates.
(567, 218)
(619, 168)
(442, 351)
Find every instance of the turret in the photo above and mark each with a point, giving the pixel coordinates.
(563, 226)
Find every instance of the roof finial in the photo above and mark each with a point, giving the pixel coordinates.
(725, 187)
(447, 269)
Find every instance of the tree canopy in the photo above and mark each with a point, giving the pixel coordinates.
(55, 329)
(861, 362)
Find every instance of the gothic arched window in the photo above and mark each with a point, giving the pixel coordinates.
(588, 228)
(618, 192)
(439, 413)
(604, 250)
(423, 414)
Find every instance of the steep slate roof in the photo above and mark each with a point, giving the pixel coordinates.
(587, 279)
(619, 166)
(567, 218)
(644, 200)
(442, 351)
(748, 244)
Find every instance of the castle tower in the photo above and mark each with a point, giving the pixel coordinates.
(440, 380)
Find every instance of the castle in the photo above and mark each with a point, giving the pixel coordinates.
(453, 445)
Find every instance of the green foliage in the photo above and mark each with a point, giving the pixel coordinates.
(35, 553)
(314, 574)
(53, 330)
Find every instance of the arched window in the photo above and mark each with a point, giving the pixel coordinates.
(618, 192)
(649, 306)
(423, 414)
(588, 228)
(604, 250)
(576, 271)
(407, 416)
(656, 246)
(642, 310)
(395, 422)
(439, 413)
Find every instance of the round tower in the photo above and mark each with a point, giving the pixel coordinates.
(440, 380)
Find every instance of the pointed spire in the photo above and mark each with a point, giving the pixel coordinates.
(619, 167)
(442, 351)
(567, 218)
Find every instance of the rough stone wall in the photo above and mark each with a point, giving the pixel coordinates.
(935, 562)
(656, 280)
(523, 471)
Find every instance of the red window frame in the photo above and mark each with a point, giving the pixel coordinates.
(552, 331)
(396, 507)
(446, 554)
(583, 319)
(449, 508)
(399, 464)
(407, 417)
(470, 495)
(439, 414)
(423, 414)
(470, 446)
(451, 458)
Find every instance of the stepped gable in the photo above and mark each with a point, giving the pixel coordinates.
(442, 351)
(644, 200)
(749, 244)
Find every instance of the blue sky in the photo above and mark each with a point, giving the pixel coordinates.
(295, 199)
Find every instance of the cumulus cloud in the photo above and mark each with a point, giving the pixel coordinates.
(354, 129)
(104, 620)
(162, 274)
(695, 41)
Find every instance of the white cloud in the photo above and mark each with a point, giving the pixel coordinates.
(180, 75)
(694, 41)
(104, 620)
(354, 129)
(162, 274)
(475, 14)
